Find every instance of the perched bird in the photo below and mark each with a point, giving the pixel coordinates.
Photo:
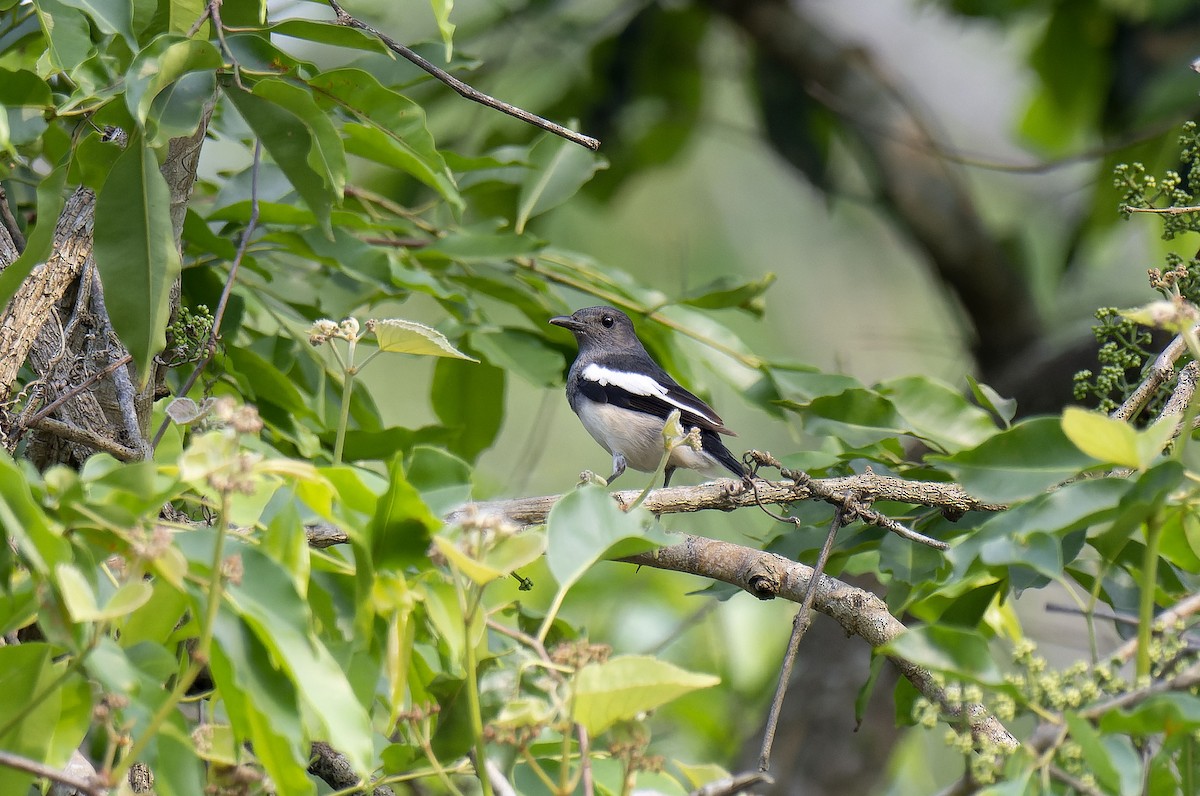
(624, 398)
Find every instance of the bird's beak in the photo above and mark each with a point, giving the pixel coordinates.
(566, 322)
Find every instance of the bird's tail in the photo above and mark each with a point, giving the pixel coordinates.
(711, 442)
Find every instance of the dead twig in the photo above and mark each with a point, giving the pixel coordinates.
(463, 89)
(87, 787)
(799, 627)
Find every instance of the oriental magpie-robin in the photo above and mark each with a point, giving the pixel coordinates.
(624, 398)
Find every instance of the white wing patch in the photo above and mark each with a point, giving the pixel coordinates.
(640, 384)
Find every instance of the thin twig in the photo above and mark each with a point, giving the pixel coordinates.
(78, 388)
(459, 86)
(1182, 681)
(87, 787)
(85, 436)
(1162, 211)
(731, 785)
(799, 627)
(210, 345)
(1185, 607)
(1073, 782)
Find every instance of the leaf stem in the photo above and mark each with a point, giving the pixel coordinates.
(199, 655)
(1146, 603)
(348, 374)
(472, 666)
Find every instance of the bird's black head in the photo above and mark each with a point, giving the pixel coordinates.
(600, 326)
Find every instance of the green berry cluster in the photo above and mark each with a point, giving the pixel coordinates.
(1123, 355)
(187, 336)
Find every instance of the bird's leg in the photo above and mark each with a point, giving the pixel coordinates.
(667, 473)
(618, 466)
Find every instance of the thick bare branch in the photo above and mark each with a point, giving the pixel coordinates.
(860, 613)
(727, 495)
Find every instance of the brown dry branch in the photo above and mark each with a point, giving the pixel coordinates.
(800, 625)
(463, 89)
(87, 787)
(859, 612)
(727, 495)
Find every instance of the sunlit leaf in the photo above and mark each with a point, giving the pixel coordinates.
(627, 686)
(409, 337)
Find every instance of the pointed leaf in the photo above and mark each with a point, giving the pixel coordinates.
(288, 140)
(1028, 458)
(626, 686)
(585, 524)
(410, 337)
(560, 169)
(136, 253)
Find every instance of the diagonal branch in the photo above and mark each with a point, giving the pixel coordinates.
(463, 89)
(86, 787)
(859, 612)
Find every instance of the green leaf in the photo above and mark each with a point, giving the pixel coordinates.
(441, 12)
(110, 16)
(938, 413)
(50, 201)
(955, 651)
(522, 352)
(858, 417)
(327, 156)
(560, 169)
(409, 337)
(160, 64)
(1101, 437)
(68, 37)
(26, 526)
(469, 398)
(288, 140)
(728, 292)
(262, 706)
(624, 687)
(1029, 458)
(400, 530)
(80, 600)
(136, 254)
(23, 668)
(586, 524)
(24, 100)
(327, 33)
(989, 399)
(1095, 755)
(442, 479)
(393, 130)
(267, 600)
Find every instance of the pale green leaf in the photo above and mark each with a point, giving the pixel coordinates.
(441, 12)
(409, 337)
(626, 686)
(1101, 437)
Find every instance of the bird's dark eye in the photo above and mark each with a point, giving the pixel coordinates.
(608, 321)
